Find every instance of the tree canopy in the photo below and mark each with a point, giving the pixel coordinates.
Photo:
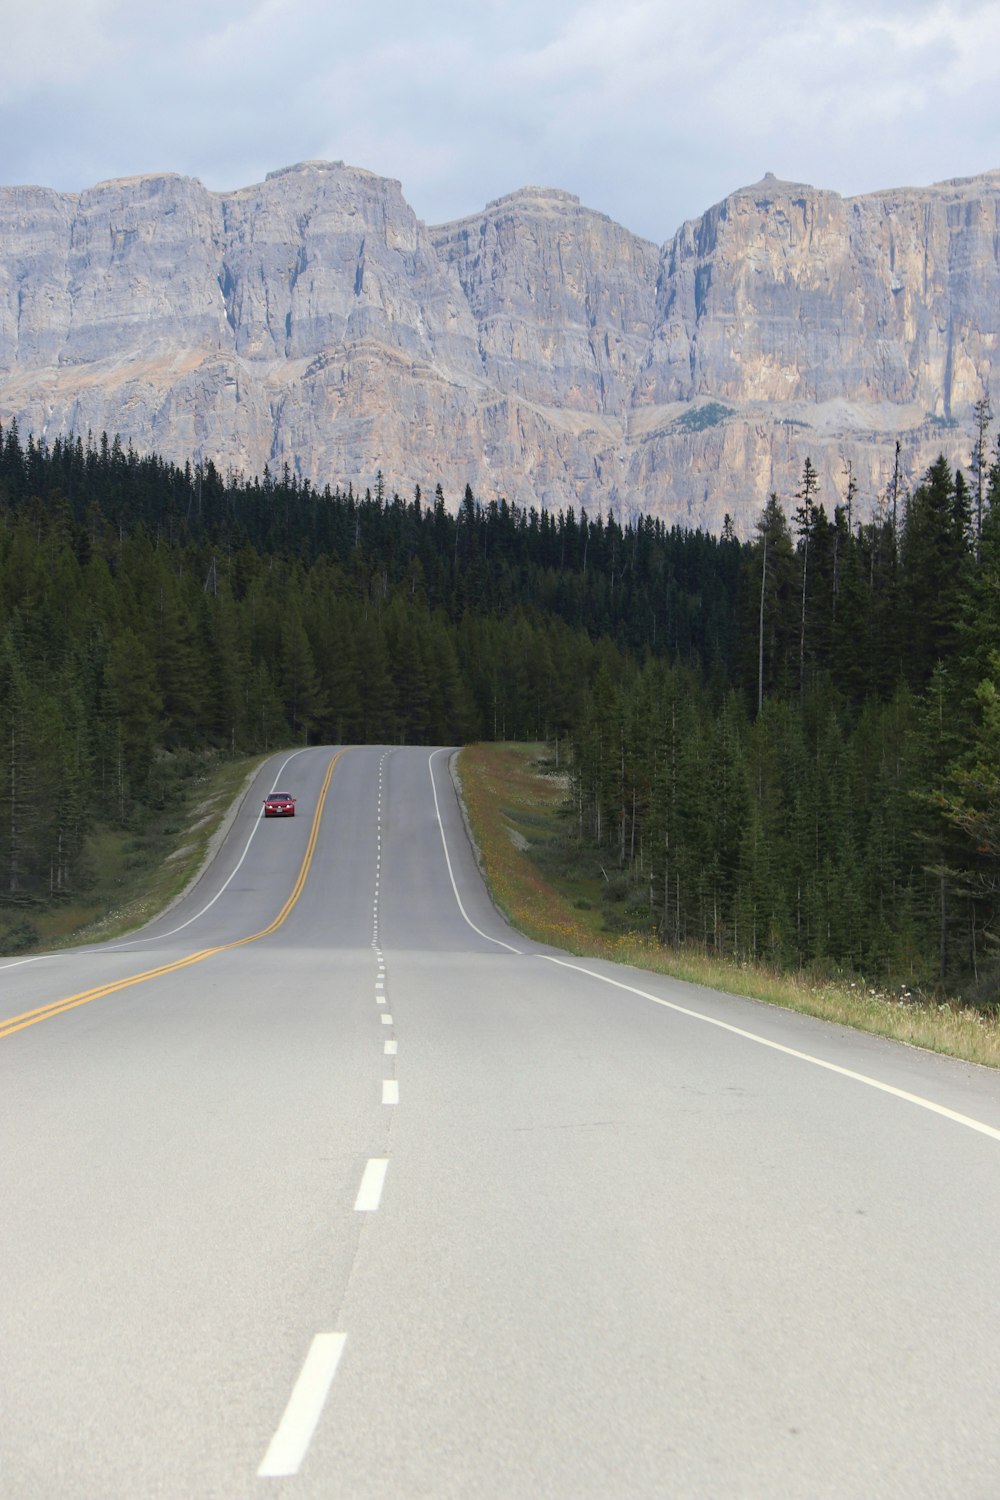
(788, 744)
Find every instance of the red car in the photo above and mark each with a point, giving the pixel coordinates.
(279, 805)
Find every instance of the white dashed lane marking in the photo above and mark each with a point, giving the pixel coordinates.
(291, 1441)
(305, 1405)
(372, 1181)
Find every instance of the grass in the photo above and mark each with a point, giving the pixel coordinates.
(552, 891)
(134, 873)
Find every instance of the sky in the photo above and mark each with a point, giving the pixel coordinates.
(649, 110)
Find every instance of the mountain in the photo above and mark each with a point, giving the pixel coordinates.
(536, 350)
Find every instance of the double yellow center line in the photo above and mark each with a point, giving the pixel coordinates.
(70, 1002)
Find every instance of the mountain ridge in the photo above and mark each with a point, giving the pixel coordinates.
(535, 349)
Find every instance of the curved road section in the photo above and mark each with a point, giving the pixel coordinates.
(328, 1184)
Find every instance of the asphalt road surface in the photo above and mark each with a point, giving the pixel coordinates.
(330, 1185)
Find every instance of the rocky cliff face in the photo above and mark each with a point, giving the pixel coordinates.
(536, 350)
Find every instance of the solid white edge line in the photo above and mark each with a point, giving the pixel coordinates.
(762, 1041)
(289, 1444)
(134, 942)
(390, 1091)
(235, 871)
(372, 1181)
(451, 874)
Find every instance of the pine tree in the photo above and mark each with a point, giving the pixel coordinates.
(982, 416)
(935, 571)
(770, 607)
(804, 520)
(301, 693)
(133, 704)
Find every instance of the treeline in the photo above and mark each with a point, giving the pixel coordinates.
(111, 655)
(642, 585)
(839, 803)
(787, 747)
(146, 609)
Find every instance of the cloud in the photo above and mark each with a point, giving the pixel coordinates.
(48, 44)
(648, 109)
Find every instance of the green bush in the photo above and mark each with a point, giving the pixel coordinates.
(19, 936)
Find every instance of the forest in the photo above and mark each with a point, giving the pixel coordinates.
(787, 747)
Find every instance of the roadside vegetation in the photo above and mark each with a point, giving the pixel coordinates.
(130, 874)
(553, 887)
(785, 748)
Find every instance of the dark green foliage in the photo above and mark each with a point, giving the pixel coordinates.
(697, 418)
(936, 567)
(149, 611)
(840, 808)
(785, 749)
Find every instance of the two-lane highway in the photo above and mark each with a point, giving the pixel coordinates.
(327, 1184)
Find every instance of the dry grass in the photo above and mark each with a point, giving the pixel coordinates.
(505, 791)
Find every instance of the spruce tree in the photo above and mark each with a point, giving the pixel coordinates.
(804, 521)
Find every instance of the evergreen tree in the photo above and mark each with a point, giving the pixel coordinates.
(301, 693)
(770, 609)
(935, 572)
(982, 416)
(804, 524)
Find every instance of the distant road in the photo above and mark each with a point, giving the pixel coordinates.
(330, 1185)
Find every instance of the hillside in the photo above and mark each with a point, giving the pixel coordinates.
(537, 350)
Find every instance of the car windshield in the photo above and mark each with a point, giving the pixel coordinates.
(281, 797)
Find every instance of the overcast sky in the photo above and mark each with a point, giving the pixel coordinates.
(649, 110)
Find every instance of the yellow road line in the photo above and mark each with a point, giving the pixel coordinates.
(70, 1002)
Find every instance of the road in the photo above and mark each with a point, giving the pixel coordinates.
(357, 1193)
